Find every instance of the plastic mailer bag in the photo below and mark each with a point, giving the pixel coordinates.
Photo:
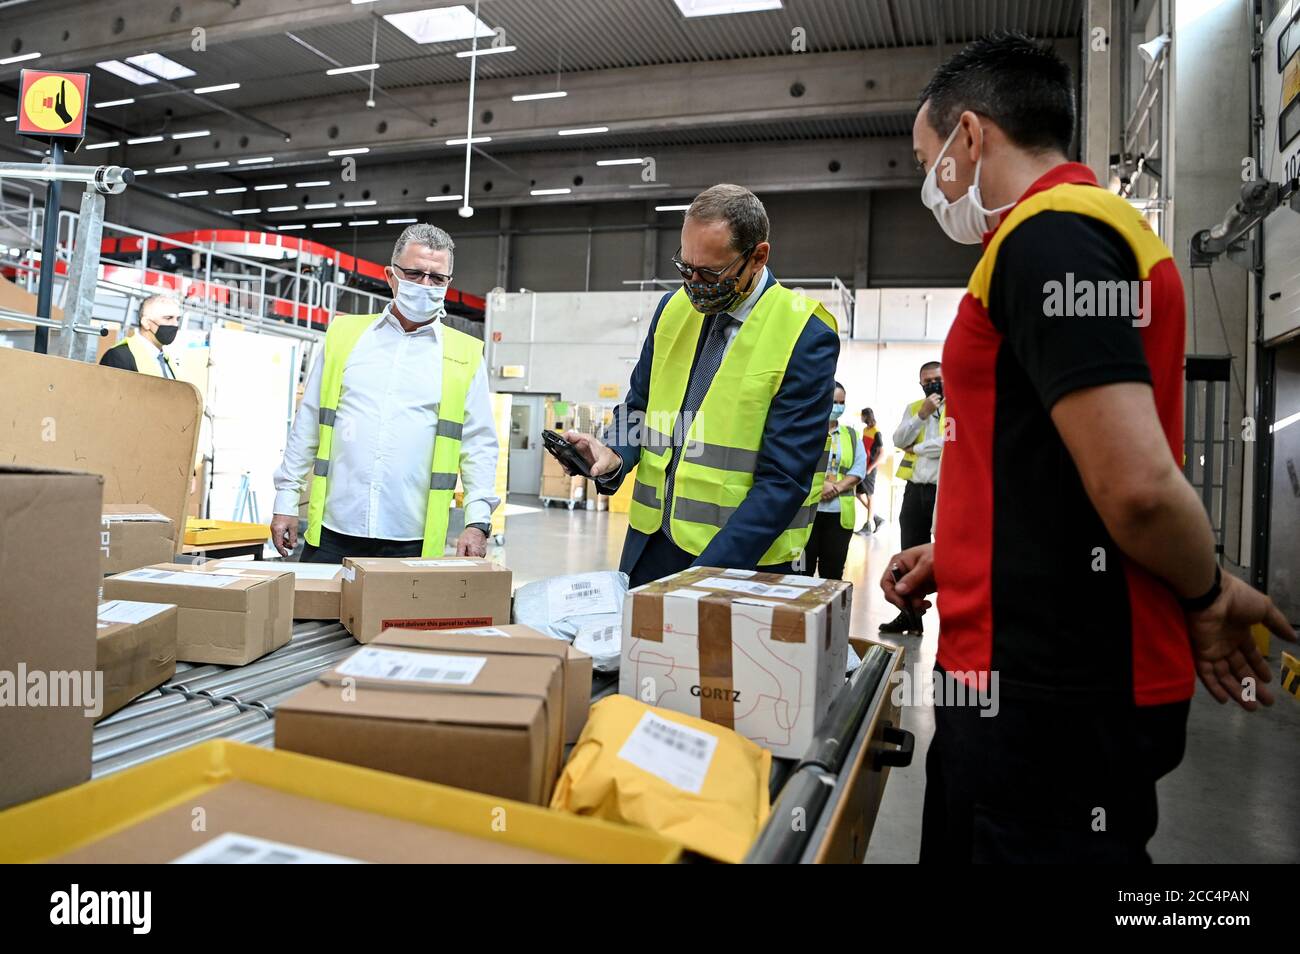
(697, 783)
(585, 609)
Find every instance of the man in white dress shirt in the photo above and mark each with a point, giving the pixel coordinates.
(395, 407)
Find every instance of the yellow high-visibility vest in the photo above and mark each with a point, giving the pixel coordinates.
(909, 459)
(847, 440)
(461, 356)
(715, 469)
(145, 354)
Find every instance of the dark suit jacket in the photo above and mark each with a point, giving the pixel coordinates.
(119, 356)
(793, 440)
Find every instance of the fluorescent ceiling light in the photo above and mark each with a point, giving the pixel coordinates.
(232, 190)
(619, 162)
(364, 67)
(163, 170)
(249, 162)
(114, 102)
(160, 65)
(285, 228)
(219, 164)
(365, 222)
(103, 145)
(23, 57)
(271, 188)
(140, 172)
(143, 139)
(313, 182)
(584, 130)
(326, 225)
(215, 89)
(191, 195)
(439, 25)
(671, 208)
(130, 73)
(360, 202)
(10, 119)
(714, 8)
(283, 208)
(525, 97)
(463, 140)
(321, 205)
(443, 198)
(486, 51)
(196, 134)
(355, 151)
(550, 192)
(400, 221)
(245, 211)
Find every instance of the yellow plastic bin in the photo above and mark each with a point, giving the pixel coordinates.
(174, 805)
(206, 533)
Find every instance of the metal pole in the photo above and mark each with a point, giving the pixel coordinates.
(49, 248)
(83, 273)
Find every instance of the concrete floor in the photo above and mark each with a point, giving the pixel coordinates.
(1235, 798)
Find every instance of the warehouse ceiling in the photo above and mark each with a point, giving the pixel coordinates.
(816, 94)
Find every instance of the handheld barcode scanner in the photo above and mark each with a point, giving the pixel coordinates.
(565, 453)
(910, 616)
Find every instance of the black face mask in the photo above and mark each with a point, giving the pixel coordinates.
(166, 334)
(933, 387)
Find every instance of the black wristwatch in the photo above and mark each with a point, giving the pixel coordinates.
(1198, 603)
(483, 528)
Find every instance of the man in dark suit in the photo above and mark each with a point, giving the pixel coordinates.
(160, 317)
(739, 370)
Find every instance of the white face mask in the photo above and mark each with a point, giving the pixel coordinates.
(965, 220)
(420, 303)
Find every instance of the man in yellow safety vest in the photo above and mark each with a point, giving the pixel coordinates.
(144, 351)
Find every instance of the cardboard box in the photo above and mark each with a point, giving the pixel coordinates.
(49, 576)
(524, 640)
(381, 593)
(760, 653)
(135, 649)
(227, 616)
(489, 722)
(317, 587)
(135, 535)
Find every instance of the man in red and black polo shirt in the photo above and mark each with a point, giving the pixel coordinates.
(1073, 564)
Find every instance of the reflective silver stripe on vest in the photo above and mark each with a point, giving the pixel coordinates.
(721, 457)
(824, 462)
(327, 417)
(803, 518)
(447, 428)
(645, 495)
(322, 468)
(656, 439)
(698, 511)
(442, 482)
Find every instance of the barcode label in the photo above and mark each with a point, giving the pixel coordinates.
(785, 592)
(460, 563)
(735, 586)
(676, 753)
(133, 517)
(794, 579)
(396, 665)
(179, 578)
(129, 611)
(579, 596)
(232, 848)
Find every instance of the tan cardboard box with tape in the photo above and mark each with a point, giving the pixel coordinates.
(135, 649)
(488, 722)
(317, 587)
(760, 653)
(419, 593)
(135, 535)
(524, 640)
(227, 616)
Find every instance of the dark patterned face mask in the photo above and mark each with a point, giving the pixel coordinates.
(716, 295)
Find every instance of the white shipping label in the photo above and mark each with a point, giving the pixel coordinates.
(413, 667)
(739, 572)
(180, 578)
(483, 631)
(130, 611)
(308, 571)
(676, 753)
(785, 592)
(349, 574)
(133, 517)
(793, 579)
(688, 594)
(232, 848)
(444, 562)
(569, 596)
(605, 637)
(735, 586)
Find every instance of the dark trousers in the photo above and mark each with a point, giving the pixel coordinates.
(828, 547)
(917, 515)
(335, 546)
(661, 557)
(1043, 783)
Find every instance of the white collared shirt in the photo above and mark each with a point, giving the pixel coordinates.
(384, 429)
(927, 435)
(741, 311)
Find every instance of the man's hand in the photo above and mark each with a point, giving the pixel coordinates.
(284, 533)
(929, 406)
(1224, 649)
(600, 458)
(917, 582)
(471, 543)
(830, 490)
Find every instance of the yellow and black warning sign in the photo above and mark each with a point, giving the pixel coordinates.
(53, 104)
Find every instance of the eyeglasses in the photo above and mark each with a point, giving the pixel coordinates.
(415, 275)
(711, 275)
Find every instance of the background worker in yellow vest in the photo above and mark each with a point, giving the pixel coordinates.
(725, 416)
(873, 442)
(828, 546)
(920, 435)
(144, 351)
(395, 406)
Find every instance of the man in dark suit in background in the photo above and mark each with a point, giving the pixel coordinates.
(160, 317)
(725, 416)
